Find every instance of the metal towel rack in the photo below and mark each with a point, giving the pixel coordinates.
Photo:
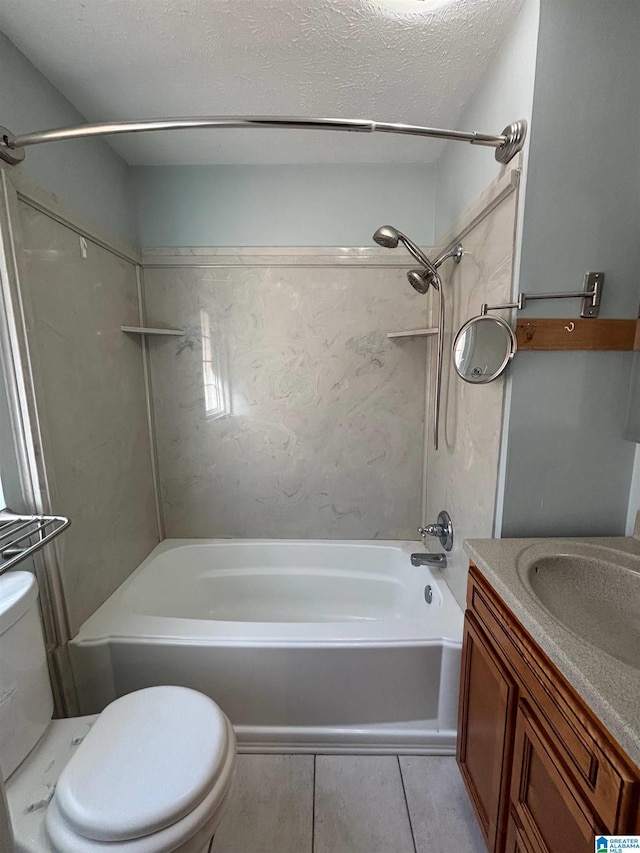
(23, 535)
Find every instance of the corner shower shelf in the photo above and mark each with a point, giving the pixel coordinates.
(143, 330)
(23, 535)
(412, 333)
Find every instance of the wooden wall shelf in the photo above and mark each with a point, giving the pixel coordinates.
(576, 334)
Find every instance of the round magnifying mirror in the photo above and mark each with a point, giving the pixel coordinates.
(483, 348)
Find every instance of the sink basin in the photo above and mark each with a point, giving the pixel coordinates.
(594, 592)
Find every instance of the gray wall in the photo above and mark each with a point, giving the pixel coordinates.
(504, 94)
(568, 465)
(462, 475)
(319, 430)
(91, 401)
(634, 492)
(88, 182)
(340, 205)
(86, 176)
(10, 487)
(4, 431)
(6, 835)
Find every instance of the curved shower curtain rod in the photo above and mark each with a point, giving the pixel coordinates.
(507, 144)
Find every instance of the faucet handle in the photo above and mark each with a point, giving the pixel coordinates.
(432, 530)
(443, 530)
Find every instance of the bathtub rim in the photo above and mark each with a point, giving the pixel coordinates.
(92, 659)
(113, 622)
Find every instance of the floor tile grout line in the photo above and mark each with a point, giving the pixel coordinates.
(406, 803)
(313, 807)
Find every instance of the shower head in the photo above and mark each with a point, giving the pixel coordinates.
(420, 280)
(388, 236)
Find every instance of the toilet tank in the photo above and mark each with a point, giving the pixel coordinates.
(26, 701)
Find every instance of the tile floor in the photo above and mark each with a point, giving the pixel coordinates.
(348, 804)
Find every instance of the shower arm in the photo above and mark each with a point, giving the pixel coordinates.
(455, 253)
(507, 144)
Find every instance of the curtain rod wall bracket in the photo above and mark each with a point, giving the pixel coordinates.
(507, 144)
(9, 155)
(515, 134)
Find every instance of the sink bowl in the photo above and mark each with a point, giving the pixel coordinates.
(594, 592)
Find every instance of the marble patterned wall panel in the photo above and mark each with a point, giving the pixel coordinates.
(462, 475)
(285, 411)
(91, 401)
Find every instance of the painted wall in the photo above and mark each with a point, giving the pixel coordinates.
(504, 94)
(86, 176)
(568, 465)
(285, 411)
(338, 205)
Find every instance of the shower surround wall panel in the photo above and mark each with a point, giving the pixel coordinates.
(89, 386)
(462, 475)
(285, 412)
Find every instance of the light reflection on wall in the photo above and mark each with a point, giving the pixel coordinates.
(217, 401)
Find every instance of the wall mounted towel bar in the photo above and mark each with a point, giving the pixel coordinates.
(23, 535)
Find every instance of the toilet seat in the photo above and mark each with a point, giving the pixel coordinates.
(152, 775)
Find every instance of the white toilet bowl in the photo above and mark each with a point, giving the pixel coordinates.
(151, 774)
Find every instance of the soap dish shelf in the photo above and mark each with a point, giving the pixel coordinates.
(145, 330)
(23, 535)
(413, 333)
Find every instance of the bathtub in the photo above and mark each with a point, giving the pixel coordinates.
(305, 645)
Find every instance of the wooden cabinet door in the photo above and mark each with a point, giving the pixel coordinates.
(515, 842)
(486, 717)
(545, 802)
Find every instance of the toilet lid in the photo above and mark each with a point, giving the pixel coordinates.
(150, 758)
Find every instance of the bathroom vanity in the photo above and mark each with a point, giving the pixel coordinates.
(549, 722)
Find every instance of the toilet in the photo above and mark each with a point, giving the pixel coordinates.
(151, 774)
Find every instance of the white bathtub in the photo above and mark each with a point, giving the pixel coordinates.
(306, 645)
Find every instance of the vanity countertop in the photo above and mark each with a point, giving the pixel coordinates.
(610, 687)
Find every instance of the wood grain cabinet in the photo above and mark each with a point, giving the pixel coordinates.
(543, 774)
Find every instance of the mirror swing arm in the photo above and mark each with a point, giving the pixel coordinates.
(505, 345)
(591, 296)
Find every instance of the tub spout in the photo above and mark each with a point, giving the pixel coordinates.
(429, 560)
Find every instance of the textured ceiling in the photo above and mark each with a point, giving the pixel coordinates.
(127, 59)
